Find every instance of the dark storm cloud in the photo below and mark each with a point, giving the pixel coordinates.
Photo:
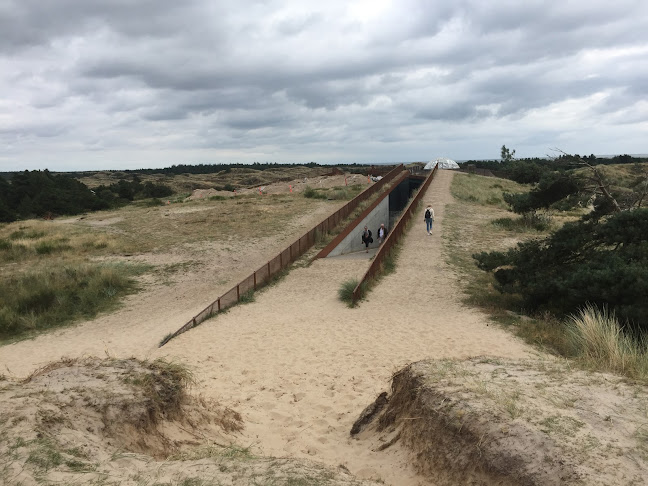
(29, 23)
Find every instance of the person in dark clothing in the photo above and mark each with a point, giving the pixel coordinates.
(366, 238)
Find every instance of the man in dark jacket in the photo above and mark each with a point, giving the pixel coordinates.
(366, 238)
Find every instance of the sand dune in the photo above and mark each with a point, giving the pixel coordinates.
(301, 366)
(297, 363)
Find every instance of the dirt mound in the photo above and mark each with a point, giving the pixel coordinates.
(83, 421)
(488, 421)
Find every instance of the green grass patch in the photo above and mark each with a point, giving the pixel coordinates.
(485, 191)
(45, 455)
(49, 247)
(247, 298)
(527, 222)
(24, 234)
(311, 193)
(58, 295)
(389, 262)
(345, 292)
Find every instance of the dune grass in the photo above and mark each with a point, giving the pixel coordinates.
(57, 295)
(27, 241)
(600, 342)
(345, 292)
(483, 191)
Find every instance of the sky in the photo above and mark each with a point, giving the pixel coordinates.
(128, 84)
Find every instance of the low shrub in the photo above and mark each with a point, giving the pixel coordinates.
(311, 193)
(526, 222)
(150, 203)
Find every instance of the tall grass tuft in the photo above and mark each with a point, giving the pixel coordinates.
(600, 342)
(55, 296)
(345, 292)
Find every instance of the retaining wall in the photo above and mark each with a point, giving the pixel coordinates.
(353, 241)
(266, 272)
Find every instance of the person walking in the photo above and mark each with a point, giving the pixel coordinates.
(382, 233)
(366, 238)
(429, 219)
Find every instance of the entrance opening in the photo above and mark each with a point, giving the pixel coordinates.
(400, 196)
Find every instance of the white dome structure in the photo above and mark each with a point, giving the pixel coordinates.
(444, 163)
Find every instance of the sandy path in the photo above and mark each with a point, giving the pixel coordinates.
(300, 366)
(136, 328)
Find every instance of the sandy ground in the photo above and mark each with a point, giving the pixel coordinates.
(297, 363)
(165, 303)
(301, 366)
(296, 185)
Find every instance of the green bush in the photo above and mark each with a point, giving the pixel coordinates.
(599, 262)
(553, 187)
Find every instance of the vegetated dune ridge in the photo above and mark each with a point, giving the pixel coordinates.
(200, 271)
(298, 364)
(295, 185)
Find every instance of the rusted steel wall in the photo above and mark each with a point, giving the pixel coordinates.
(351, 226)
(285, 258)
(393, 237)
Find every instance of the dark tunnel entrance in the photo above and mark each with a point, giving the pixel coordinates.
(400, 196)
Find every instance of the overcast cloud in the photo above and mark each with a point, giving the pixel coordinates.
(115, 84)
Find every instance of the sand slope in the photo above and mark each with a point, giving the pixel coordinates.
(300, 366)
(297, 363)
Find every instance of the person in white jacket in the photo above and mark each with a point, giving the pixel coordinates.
(429, 219)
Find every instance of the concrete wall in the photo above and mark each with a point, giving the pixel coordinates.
(353, 242)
